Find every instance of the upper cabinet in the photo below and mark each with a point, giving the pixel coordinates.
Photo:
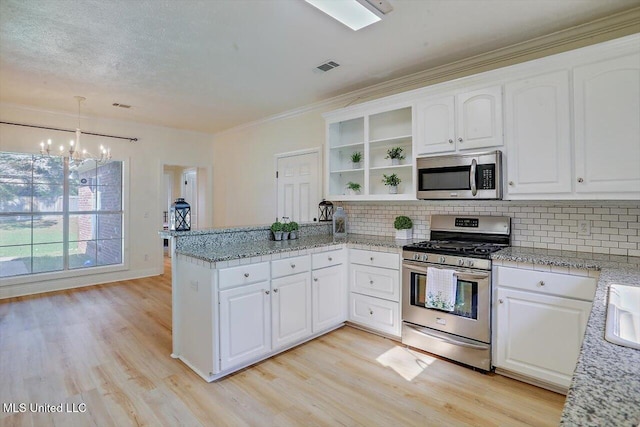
(538, 134)
(458, 122)
(607, 125)
(371, 138)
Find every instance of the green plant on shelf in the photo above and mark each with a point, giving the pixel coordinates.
(356, 157)
(395, 153)
(353, 186)
(392, 180)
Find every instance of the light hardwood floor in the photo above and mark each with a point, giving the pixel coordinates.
(108, 346)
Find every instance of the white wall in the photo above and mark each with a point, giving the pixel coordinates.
(156, 146)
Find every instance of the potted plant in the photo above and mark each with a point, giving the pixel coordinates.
(356, 158)
(286, 230)
(353, 187)
(404, 227)
(293, 232)
(392, 181)
(276, 228)
(395, 154)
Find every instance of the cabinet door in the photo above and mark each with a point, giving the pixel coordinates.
(291, 309)
(539, 335)
(479, 118)
(607, 128)
(538, 134)
(435, 126)
(329, 297)
(245, 324)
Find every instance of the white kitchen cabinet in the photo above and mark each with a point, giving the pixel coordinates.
(540, 323)
(607, 126)
(245, 324)
(290, 309)
(374, 281)
(538, 135)
(458, 122)
(329, 297)
(372, 134)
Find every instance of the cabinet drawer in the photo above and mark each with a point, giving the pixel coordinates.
(327, 259)
(375, 259)
(243, 275)
(289, 266)
(378, 314)
(376, 282)
(564, 285)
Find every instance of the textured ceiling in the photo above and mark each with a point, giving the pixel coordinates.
(209, 65)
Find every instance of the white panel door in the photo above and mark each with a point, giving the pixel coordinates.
(538, 134)
(298, 186)
(479, 118)
(435, 126)
(245, 324)
(607, 125)
(190, 194)
(329, 297)
(291, 309)
(540, 335)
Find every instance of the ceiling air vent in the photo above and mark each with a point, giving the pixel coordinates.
(328, 65)
(115, 104)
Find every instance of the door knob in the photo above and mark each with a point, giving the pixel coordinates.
(371, 258)
(266, 292)
(541, 283)
(459, 139)
(580, 180)
(246, 274)
(450, 141)
(275, 291)
(315, 279)
(511, 183)
(293, 266)
(500, 301)
(330, 259)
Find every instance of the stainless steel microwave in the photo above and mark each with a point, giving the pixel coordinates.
(460, 176)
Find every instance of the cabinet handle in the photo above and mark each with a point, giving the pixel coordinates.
(371, 282)
(459, 139)
(370, 312)
(511, 183)
(541, 283)
(246, 274)
(266, 292)
(371, 258)
(450, 141)
(315, 279)
(500, 301)
(580, 180)
(275, 291)
(330, 259)
(293, 266)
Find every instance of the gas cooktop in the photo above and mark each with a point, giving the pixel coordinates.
(456, 247)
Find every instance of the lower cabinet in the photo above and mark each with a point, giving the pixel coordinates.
(290, 309)
(375, 313)
(541, 319)
(245, 324)
(329, 297)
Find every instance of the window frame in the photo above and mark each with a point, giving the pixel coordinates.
(89, 271)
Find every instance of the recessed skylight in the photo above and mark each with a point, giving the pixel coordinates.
(351, 13)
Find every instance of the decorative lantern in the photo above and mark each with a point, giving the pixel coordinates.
(180, 216)
(325, 211)
(340, 223)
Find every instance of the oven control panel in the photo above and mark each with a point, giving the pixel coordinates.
(447, 260)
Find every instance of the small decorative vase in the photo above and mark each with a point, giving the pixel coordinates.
(356, 165)
(293, 235)
(405, 234)
(393, 189)
(277, 235)
(395, 162)
(285, 235)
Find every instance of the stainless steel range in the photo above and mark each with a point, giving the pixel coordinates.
(446, 287)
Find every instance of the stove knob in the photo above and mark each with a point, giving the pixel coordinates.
(470, 263)
(460, 262)
(442, 259)
(416, 257)
(425, 257)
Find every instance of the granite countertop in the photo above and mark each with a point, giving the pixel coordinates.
(605, 388)
(267, 247)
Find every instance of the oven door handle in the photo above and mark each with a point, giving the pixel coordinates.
(472, 276)
(472, 177)
(448, 340)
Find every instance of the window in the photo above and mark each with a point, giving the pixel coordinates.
(57, 215)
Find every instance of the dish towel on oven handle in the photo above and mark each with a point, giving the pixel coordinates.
(441, 289)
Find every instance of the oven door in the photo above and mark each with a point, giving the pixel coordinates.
(471, 315)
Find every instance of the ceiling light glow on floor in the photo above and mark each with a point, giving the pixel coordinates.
(350, 12)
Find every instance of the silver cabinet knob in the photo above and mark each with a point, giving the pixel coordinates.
(370, 312)
(315, 279)
(266, 292)
(459, 139)
(293, 266)
(371, 282)
(511, 183)
(580, 180)
(371, 258)
(330, 259)
(541, 283)
(500, 301)
(246, 274)
(275, 291)
(450, 141)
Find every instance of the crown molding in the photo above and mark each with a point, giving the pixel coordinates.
(604, 29)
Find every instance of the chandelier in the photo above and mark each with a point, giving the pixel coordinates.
(77, 155)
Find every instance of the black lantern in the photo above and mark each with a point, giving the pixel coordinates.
(180, 215)
(325, 211)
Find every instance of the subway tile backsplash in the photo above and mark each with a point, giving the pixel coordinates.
(613, 226)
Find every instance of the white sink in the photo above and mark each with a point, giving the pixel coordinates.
(623, 316)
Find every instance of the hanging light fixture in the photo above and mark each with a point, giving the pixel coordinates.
(77, 155)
